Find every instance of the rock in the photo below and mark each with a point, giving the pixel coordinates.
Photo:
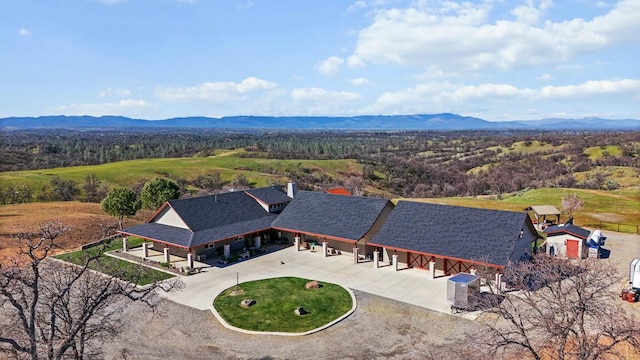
(312, 285)
(247, 302)
(300, 311)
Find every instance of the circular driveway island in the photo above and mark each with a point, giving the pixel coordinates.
(283, 306)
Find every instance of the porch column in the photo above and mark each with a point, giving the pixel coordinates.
(190, 260)
(227, 250)
(498, 283)
(394, 261)
(432, 269)
(355, 254)
(145, 249)
(376, 259)
(167, 258)
(257, 242)
(125, 244)
(296, 243)
(324, 248)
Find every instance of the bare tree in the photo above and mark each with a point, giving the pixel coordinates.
(559, 310)
(51, 309)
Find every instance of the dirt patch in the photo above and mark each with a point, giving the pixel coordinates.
(86, 221)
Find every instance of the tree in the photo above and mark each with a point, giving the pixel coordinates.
(157, 191)
(121, 202)
(65, 190)
(92, 190)
(55, 310)
(570, 204)
(559, 310)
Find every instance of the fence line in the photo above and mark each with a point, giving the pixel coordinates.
(618, 227)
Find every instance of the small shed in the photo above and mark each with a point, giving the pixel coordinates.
(566, 240)
(542, 212)
(461, 288)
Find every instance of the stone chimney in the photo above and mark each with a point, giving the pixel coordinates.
(291, 189)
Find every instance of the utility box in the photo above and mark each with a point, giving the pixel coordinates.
(634, 273)
(461, 288)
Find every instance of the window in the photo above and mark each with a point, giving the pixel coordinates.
(210, 246)
(240, 238)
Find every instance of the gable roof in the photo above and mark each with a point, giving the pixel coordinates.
(336, 216)
(452, 231)
(213, 211)
(541, 210)
(209, 218)
(269, 195)
(568, 229)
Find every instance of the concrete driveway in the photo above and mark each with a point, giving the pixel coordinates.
(410, 285)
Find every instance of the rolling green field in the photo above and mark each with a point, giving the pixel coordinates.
(260, 172)
(616, 207)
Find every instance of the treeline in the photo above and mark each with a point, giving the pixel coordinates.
(407, 164)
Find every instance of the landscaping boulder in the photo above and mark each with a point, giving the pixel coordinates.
(300, 311)
(312, 285)
(247, 302)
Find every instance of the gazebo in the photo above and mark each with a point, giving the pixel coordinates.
(544, 211)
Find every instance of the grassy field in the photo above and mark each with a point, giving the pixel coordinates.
(276, 299)
(621, 207)
(260, 172)
(124, 270)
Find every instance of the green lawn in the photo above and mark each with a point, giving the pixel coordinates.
(125, 270)
(276, 299)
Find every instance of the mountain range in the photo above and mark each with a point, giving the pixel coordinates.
(444, 121)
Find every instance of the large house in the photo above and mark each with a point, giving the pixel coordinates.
(445, 239)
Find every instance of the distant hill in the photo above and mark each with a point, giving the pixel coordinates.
(445, 121)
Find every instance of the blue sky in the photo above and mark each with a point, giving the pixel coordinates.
(156, 59)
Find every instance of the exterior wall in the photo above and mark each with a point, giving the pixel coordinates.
(523, 248)
(559, 243)
(171, 218)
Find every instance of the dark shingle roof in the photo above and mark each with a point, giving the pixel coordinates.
(269, 195)
(567, 229)
(218, 210)
(453, 231)
(210, 218)
(345, 217)
(166, 233)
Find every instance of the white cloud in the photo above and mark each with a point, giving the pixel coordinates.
(493, 97)
(127, 107)
(330, 66)
(354, 61)
(360, 81)
(316, 101)
(357, 5)
(24, 32)
(593, 87)
(217, 92)
(461, 36)
(110, 92)
(545, 77)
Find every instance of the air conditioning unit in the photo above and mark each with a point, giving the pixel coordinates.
(201, 257)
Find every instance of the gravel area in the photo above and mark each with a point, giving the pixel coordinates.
(380, 328)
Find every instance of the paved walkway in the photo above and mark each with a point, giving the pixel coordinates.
(410, 285)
